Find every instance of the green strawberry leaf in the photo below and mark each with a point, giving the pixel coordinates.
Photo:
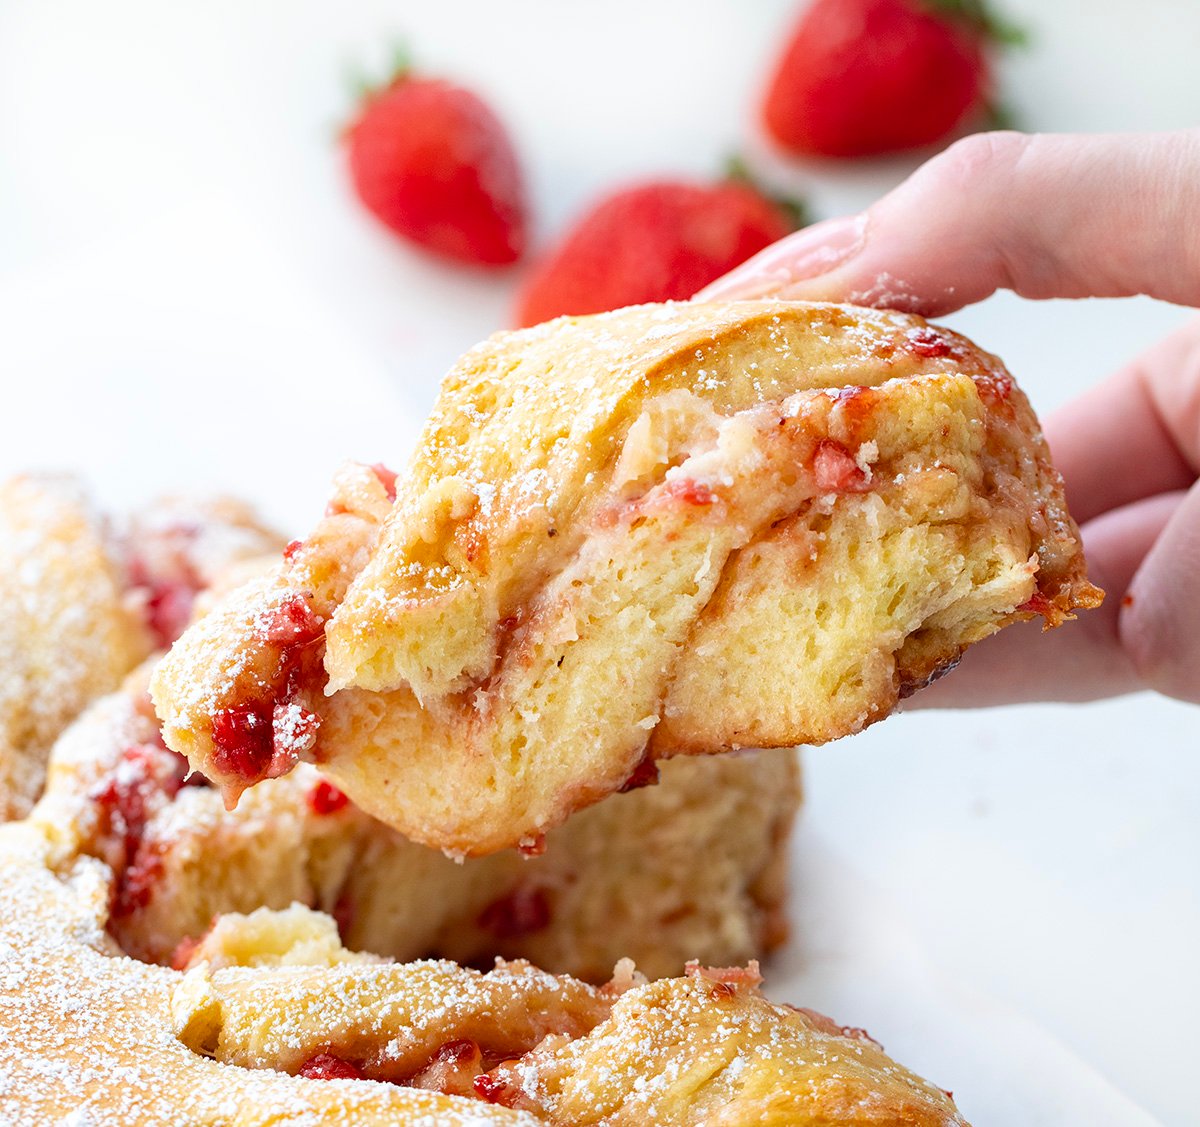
(795, 211)
(983, 19)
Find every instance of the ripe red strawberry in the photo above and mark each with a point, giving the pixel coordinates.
(657, 241)
(863, 77)
(433, 162)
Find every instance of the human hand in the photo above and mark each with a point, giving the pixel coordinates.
(1056, 216)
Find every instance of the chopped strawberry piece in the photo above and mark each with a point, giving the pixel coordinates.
(325, 798)
(387, 478)
(930, 344)
(495, 1090)
(835, 471)
(692, 492)
(292, 623)
(521, 912)
(326, 1066)
(293, 546)
(243, 743)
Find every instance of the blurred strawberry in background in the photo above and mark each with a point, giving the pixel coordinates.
(435, 164)
(660, 240)
(866, 77)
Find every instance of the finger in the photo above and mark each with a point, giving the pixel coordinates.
(1159, 625)
(1136, 435)
(1044, 215)
(1082, 660)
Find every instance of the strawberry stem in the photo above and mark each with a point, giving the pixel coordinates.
(1000, 115)
(983, 19)
(795, 211)
(401, 62)
(362, 87)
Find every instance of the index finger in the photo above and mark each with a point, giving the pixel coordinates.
(1044, 215)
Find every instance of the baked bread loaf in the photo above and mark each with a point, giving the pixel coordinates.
(670, 529)
(694, 868)
(83, 599)
(283, 1026)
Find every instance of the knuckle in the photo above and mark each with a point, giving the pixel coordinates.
(977, 159)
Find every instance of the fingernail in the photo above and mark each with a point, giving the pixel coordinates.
(801, 257)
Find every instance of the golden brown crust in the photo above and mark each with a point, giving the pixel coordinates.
(109, 1040)
(669, 529)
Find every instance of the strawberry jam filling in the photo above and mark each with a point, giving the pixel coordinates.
(1041, 604)
(143, 779)
(168, 599)
(1037, 604)
(326, 1066)
(453, 1069)
(533, 846)
(265, 738)
(928, 343)
(243, 742)
(522, 912)
(496, 1090)
(645, 774)
(458, 1068)
(343, 915)
(184, 950)
(691, 492)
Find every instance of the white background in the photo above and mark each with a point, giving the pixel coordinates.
(190, 299)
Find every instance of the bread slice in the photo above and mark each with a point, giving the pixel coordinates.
(671, 529)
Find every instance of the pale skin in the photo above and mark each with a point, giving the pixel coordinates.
(1056, 216)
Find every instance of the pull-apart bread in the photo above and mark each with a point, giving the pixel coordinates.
(269, 1020)
(671, 529)
(694, 868)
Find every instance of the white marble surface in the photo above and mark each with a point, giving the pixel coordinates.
(189, 298)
